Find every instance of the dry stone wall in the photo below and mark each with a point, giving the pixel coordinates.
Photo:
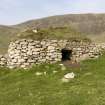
(24, 53)
(3, 60)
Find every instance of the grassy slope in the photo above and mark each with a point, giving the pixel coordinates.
(96, 38)
(92, 25)
(25, 88)
(6, 35)
(85, 23)
(54, 33)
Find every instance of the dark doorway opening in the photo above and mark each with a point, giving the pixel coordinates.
(66, 54)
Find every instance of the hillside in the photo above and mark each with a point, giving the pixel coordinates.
(6, 35)
(54, 33)
(85, 23)
(90, 25)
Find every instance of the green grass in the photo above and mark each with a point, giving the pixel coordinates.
(7, 34)
(23, 87)
(54, 33)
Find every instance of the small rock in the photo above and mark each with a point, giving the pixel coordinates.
(38, 73)
(61, 64)
(62, 67)
(45, 73)
(35, 31)
(55, 72)
(69, 76)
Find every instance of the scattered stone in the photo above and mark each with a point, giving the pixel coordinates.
(69, 76)
(55, 72)
(62, 67)
(38, 73)
(35, 31)
(45, 73)
(61, 64)
(3, 61)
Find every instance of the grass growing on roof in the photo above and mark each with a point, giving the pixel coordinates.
(54, 33)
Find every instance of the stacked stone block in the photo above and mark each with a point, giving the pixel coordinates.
(24, 53)
(3, 61)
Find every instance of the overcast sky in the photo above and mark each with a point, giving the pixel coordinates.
(16, 11)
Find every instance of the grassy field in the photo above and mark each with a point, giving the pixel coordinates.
(19, 87)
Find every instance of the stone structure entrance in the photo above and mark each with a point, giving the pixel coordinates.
(66, 54)
(24, 53)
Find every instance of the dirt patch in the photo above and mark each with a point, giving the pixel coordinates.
(71, 64)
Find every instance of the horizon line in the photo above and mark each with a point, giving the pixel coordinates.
(43, 17)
